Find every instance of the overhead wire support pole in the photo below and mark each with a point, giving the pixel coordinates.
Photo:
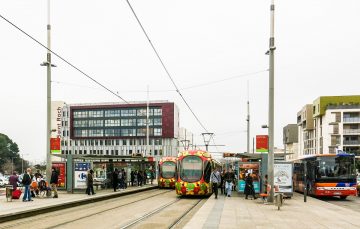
(271, 102)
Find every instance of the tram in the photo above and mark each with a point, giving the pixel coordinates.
(167, 172)
(193, 173)
(326, 175)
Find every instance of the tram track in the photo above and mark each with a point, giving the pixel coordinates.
(43, 217)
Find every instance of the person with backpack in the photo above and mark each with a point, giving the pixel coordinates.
(26, 181)
(54, 182)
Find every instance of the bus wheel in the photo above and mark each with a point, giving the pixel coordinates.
(343, 197)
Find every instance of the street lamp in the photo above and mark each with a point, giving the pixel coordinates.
(185, 143)
(207, 137)
(22, 162)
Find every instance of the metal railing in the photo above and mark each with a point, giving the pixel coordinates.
(351, 131)
(352, 119)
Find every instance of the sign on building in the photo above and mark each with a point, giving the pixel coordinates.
(56, 116)
(262, 143)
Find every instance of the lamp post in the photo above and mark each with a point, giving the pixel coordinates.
(22, 162)
(48, 65)
(207, 137)
(185, 144)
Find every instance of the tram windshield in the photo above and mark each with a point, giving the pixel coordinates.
(168, 169)
(191, 169)
(342, 167)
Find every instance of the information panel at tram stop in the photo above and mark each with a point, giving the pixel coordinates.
(283, 178)
(244, 170)
(80, 174)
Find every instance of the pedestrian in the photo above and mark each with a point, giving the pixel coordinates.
(229, 178)
(13, 180)
(215, 179)
(249, 187)
(124, 178)
(54, 182)
(26, 181)
(90, 183)
(222, 183)
(115, 181)
(132, 177)
(265, 185)
(139, 178)
(144, 177)
(152, 176)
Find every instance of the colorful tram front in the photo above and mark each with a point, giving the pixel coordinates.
(167, 172)
(193, 173)
(327, 175)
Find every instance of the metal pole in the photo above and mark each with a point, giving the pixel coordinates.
(253, 145)
(147, 123)
(271, 103)
(48, 113)
(12, 165)
(248, 127)
(22, 164)
(305, 181)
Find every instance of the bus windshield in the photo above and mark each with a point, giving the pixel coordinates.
(191, 169)
(342, 167)
(168, 169)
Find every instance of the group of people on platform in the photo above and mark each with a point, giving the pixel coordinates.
(226, 182)
(137, 178)
(33, 184)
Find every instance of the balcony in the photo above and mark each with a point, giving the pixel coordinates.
(351, 131)
(353, 142)
(352, 120)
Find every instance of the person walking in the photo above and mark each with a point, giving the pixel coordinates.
(132, 177)
(229, 178)
(215, 179)
(26, 181)
(13, 180)
(222, 183)
(115, 181)
(90, 183)
(54, 182)
(139, 178)
(249, 187)
(265, 185)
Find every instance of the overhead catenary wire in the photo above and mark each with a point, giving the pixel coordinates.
(63, 59)
(166, 70)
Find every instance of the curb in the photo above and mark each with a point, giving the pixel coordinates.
(70, 204)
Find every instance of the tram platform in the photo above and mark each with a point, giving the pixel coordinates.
(237, 212)
(10, 210)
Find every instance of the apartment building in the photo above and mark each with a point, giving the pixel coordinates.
(290, 140)
(334, 125)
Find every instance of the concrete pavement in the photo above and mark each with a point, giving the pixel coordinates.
(236, 212)
(19, 209)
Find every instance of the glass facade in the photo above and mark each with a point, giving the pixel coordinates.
(117, 122)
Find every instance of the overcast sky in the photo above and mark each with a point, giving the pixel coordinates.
(200, 41)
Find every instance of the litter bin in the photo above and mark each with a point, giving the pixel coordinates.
(9, 192)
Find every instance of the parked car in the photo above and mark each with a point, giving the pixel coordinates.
(4, 181)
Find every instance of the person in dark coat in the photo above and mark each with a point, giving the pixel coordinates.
(90, 183)
(54, 182)
(139, 178)
(115, 181)
(26, 182)
(132, 177)
(249, 187)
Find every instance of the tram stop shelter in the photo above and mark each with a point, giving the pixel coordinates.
(72, 169)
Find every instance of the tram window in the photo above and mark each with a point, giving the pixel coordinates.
(191, 169)
(207, 171)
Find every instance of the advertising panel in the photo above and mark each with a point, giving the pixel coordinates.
(283, 177)
(60, 168)
(253, 169)
(262, 143)
(56, 116)
(80, 174)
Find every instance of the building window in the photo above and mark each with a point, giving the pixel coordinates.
(157, 131)
(112, 122)
(80, 133)
(141, 112)
(128, 122)
(96, 123)
(112, 132)
(112, 113)
(128, 132)
(95, 133)
(80, 123)
(141, 132)
(157, 121)
(157, 111)
(96, 113)
(80, 114)
(131, 112)
(141, 122)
